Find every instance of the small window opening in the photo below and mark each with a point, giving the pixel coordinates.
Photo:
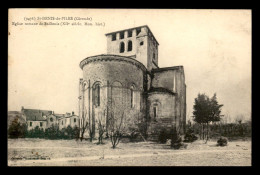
(154, 112)
(132, 98)
(40, 124)
(138, 30)
(121, 35)
(141, 43)
(114, 37)
(30, 123)
(74, 120)
(130, 33)
(97, 95)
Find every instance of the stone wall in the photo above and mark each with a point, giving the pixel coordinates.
(173, 79)
(144, 46)
(116, 77)
(49, 123)
(165, 104)
(36, 123)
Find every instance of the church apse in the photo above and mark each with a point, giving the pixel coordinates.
(128, 78)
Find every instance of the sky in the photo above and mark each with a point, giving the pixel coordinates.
(214, 46)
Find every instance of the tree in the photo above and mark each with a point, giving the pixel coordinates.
(16, 129)
(176, 141)
(206, 110)
(136, 125)
(76, 132)
(101, 126)
(84, 125)
(116, 125)
(69, 132)
(53, 132)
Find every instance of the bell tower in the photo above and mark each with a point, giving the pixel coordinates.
(137, 43)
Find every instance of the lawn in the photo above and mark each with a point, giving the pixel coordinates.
(77, 153)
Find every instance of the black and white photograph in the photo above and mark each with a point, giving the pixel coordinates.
(129, 87)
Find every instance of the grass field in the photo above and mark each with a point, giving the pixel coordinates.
(77, 153)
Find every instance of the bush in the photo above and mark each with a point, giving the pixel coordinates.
(176, 141)
(190, 136)
(222, 141)
(16, 129)
(75, 133)
(164, 136)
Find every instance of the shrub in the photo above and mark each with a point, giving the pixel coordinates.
(190, 136)
(176, 141)
(163, 136)
(16, 129)
(53, 132)
(222, 141)
(75, 132)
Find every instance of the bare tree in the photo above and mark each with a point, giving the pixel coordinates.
(91, 125)
(86, 124)
(136, 124)
(83, 126)
(101, 126)
(116, 125)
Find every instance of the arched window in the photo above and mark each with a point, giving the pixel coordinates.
(122, 47)
(96, 93)
(155, 112)
(132, 96)
(51, 119)
(129, 46)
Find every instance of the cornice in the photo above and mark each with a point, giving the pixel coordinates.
(108, 57)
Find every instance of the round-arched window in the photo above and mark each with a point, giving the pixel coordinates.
(51, 119)
(132, 96)
(130, 46)
(96, 93)
(122, 47)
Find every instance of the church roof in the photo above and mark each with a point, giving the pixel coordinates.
(108, 57)
(167, 68)
(161, 89)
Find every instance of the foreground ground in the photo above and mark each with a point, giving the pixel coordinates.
(77, 153)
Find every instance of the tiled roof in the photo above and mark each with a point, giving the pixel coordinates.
(14, 112)
(35, 114)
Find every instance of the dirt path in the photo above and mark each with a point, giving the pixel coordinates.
(89, 158)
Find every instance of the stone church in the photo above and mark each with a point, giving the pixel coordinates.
(129, 77)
